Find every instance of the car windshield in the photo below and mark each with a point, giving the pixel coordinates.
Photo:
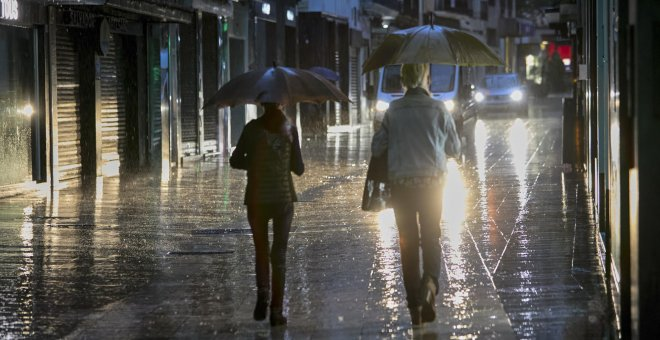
(442, 78)
(500, 82)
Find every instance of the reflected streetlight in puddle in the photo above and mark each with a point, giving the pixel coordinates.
(480, 138)
(388, 266)
(387, 226)
(453, 203)
(27, 228)
(519, 142)
(480, 142)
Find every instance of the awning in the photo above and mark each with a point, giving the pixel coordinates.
(147, 8)
(75, 2)
(167, 10)
(223, 8)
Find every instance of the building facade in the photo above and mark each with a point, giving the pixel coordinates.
(616, 117)
(22, 93)
(335, 35)
(98, 88)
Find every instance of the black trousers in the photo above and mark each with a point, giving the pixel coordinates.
(258, 217)
(417, 212)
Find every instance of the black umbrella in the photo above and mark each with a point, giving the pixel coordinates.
(325, 72)
(283, 85)
(431, 44)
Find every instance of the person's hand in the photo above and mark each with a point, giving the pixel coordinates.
(460, 159)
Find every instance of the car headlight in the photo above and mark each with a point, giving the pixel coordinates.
(517, 95)
(449, 105)
(479, 97)
(382, 106)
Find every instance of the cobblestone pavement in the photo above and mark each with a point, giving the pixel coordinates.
(141, 257)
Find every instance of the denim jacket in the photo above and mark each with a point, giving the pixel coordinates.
(418, 135)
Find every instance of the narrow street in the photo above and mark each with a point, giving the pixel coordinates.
(142, 257)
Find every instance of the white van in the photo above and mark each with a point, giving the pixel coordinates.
(449, 84)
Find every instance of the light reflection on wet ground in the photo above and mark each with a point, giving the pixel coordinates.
(144, 257)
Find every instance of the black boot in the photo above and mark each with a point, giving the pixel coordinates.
(416, 316)
(276, 317)
(428, 290)
(261, 307)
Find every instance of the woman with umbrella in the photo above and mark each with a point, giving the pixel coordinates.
(417, 135)
(269, 149)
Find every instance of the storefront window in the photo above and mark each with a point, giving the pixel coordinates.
(17, 104)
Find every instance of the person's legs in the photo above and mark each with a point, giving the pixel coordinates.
(258, 219)
(405, 213)
(430, 214)
(282, 217)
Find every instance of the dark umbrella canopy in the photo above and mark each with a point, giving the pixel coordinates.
(283, 85)
(325, 73)
(431, 44)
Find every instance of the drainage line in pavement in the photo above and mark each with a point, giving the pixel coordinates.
(220, 252)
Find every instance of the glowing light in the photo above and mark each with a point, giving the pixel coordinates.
(479, 97)
(9, 10)
(289, 15)
(566, 61)
(382, 106)
(480, 138)
(265, 8)
(27, 110)
(26, 232)
(517, 95)
(387, 226)
(519, 142)
(615, 142)
(455, 194)
(529, 59)
(111, 168)
(450, 105)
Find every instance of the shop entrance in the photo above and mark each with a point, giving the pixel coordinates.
(19, 106)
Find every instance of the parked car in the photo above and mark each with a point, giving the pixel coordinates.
(448, 84)
(502, 92)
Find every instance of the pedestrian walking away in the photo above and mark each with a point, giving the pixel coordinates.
(418, 135)
(269, 150)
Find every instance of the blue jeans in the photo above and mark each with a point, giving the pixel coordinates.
(258, 217)
(410, 206)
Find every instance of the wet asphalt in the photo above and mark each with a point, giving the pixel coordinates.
(142, 256)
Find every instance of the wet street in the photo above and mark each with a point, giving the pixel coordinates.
(145, 257)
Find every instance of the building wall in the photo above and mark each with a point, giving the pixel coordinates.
(348, 9)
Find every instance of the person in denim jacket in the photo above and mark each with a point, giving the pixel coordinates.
(418, 135)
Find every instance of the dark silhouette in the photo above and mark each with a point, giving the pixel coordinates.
(269, 150)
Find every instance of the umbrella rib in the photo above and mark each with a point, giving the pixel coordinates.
(288, 88)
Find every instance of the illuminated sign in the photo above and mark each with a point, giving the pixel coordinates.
(9, 9)
(265, 8)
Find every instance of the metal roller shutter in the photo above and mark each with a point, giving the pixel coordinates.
(157, 90)
(113, 107)
(188, 72)
(68, 106)
(210, 57)
(354, 85)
